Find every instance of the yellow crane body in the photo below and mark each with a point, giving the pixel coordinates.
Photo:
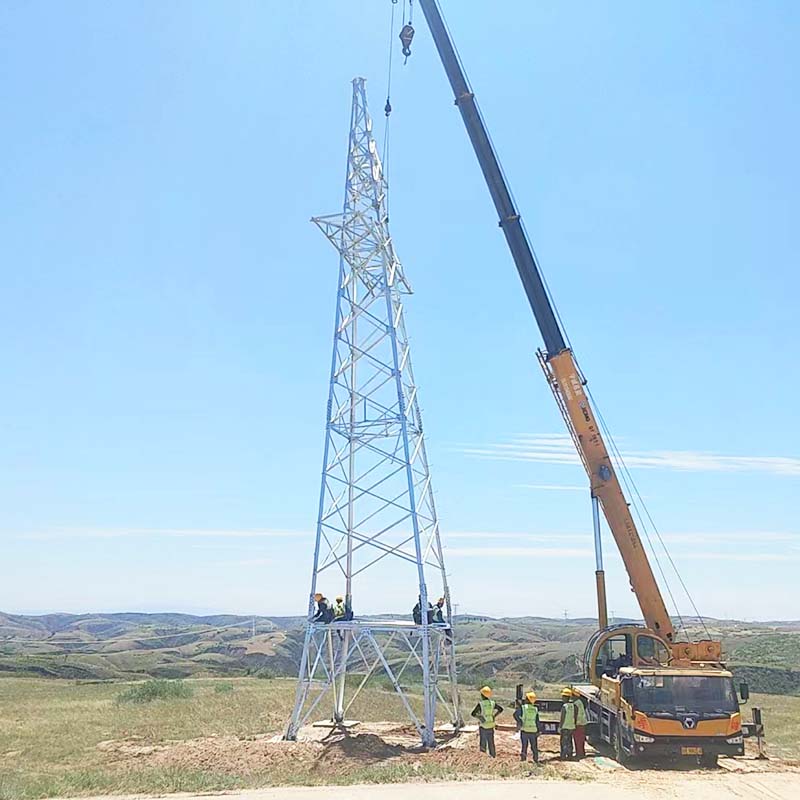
(568, 387)
(643, 685)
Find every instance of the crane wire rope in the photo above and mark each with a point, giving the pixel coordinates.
(616, 454)
(627, 480)
(642, 506)
(626, 475)
(387, 109)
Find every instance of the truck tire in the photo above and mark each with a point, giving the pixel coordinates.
(619, 752)
(709, 760)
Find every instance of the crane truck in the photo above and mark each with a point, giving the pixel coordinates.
(645, 692)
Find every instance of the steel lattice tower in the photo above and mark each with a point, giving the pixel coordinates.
(376, 510)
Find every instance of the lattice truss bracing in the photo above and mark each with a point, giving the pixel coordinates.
(377, 510)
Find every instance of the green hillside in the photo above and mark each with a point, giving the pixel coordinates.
(534, 649)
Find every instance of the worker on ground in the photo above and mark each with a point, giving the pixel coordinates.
(487, 712)
(324, 611)
(566, 726)
(579, 735)
(339, 610)
(527, 717)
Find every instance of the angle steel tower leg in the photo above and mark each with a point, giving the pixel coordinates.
(377, 516)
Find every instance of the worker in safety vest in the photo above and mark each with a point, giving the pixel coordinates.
(579, 735)
(339, 610)
(527, 717)
(487, 712)
(566, 727)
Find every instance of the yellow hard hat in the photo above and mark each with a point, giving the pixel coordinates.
(318, 596)
(566, 692)
(531, 697)
(486, 691)
(339, 599)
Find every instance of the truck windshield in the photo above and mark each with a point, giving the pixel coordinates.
(670, 694)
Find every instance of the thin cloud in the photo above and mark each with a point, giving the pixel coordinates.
(559, 449)
(120, 533)
(525, 552)
(245, 562)
(739, 556)
(551, 487)
(718, 537)
(544, 536)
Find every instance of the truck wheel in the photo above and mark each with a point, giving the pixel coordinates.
(619, 752)
(708, 760)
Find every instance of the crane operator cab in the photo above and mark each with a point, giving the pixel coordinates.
(623, 646)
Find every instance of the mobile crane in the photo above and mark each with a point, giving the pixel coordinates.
(646, 693)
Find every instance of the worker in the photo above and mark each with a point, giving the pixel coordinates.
(566, 725)
(527, 717)
(324, 611)
(417, 612)
(487, 712)
(579, 735)
(339, 610)
(438, 619)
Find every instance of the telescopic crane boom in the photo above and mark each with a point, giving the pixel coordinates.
(558, 362)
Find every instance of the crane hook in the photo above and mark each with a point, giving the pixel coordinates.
(406, 37)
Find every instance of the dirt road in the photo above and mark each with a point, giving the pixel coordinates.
(624, 786)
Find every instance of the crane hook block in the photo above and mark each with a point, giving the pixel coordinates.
(406, 37)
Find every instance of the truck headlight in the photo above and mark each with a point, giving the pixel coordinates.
(735, 740)
(640, 737)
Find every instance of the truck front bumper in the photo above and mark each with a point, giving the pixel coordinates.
(685, 747)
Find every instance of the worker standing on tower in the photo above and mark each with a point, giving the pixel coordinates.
(487, 712)
(527, 717)
(566, 726)
(579, 735)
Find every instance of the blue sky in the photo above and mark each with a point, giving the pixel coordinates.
(167, 307)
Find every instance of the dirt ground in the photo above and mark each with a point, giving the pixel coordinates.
(329, 755)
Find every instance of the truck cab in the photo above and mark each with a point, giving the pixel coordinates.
(643, 701)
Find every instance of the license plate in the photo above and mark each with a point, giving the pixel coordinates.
(691, 751)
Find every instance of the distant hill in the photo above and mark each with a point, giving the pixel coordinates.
(132, 645)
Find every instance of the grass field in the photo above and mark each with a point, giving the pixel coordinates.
(50, 731)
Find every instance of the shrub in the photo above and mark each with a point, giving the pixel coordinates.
(223, 688)
(160, 689)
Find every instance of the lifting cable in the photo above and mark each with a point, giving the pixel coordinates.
(627, 479)
(406, 36)
(640, 507)
(387, 109)
(625, 473)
